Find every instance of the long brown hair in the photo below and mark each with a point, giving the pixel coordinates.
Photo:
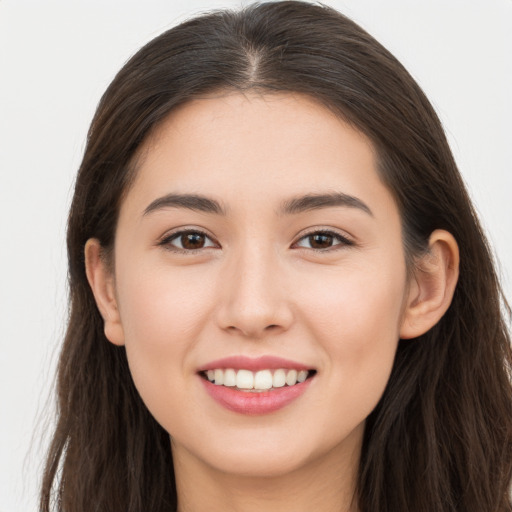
(440, 438)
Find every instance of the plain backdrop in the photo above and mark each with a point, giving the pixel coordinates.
(56, 59)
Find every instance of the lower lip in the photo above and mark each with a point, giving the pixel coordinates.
(253, 403)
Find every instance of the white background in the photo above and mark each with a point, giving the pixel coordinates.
(56, 59)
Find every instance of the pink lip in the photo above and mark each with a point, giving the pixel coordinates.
(254, 403)
(259, 363)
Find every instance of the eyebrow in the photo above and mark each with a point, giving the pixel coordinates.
(291, 206)
(194, 202)
(318, 201)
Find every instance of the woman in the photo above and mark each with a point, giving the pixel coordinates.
(280, 294)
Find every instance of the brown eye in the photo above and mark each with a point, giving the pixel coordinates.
(192, 240)
(320, 241)
(188, 241)
(323, 240)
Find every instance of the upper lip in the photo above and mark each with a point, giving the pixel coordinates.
(254, 364)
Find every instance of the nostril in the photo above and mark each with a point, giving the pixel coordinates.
(254, 333)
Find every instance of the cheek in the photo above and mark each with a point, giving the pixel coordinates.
(353, 301)
(161, 308)
(162, 314)
(355, 316)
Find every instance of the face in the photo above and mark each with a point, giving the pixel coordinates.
(257, 245)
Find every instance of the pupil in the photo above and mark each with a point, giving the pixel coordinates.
(320, 241)
(192, 240)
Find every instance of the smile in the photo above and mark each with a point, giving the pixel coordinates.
(255, 386)
(263, 380)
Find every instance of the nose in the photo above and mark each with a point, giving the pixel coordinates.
(253, 299)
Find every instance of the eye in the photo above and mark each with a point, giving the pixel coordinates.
(187, 241)
(323, 240)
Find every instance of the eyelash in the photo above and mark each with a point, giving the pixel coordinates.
(342, 241)
(166, 241)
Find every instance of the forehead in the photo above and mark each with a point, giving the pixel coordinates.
(255, 147)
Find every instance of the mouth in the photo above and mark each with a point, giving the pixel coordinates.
(257, 381)
(255, 386)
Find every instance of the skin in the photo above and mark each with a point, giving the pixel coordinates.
(258, 287)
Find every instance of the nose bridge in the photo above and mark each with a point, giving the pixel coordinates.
(254, 300)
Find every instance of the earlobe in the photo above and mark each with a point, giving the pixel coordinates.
(101, 282)
(433, 285)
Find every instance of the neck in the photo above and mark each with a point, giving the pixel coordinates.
(327, 483)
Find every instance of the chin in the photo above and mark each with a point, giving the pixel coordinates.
(262, 464)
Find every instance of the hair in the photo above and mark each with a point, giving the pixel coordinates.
(440, 439)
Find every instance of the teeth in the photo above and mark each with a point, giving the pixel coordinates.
(229, 377)
(302, 376)
(263, 380)
(279, 379)
(291, 377)
(258, 381)
(244, 379)
(219, 377)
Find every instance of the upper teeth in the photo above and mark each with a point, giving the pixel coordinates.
(261, 380)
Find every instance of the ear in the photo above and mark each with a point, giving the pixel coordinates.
(101, 281)
(432, 286)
